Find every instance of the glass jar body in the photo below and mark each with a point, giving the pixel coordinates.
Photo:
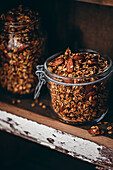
(79, 100)
(80, 104)
(21, 49)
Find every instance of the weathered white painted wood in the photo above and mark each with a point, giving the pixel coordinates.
(56, 139)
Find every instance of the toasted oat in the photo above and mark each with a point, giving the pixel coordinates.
(94, 130)
(13, 101)
(105, 123)
(40, 104)
(99, 123)
(109, 127)
(33, 105)
(36, 101)
(110, 132)
(102, 131)
(18, 101)
(44, 106)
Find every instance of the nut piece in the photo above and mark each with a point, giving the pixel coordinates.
(92, 93)
(23, 47)
(94, 130)
(61, 108)
(94, 103)
(10, 18)
(89, 88)
(78, 57)
(57, 62)
(70, 65)
(68, 81)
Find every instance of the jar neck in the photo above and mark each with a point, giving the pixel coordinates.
(77, 80)
(18, 27)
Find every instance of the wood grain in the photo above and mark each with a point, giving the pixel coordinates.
(76, 131)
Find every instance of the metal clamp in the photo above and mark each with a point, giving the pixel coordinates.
(41, 78)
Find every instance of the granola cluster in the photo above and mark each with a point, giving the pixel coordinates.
(79, 103)
(22, 45)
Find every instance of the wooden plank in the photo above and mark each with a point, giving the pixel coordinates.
(56, 139)
(99, 2)
(53, 138)
(76, 131)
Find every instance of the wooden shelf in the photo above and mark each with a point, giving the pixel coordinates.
(42, 126)
(99, 2)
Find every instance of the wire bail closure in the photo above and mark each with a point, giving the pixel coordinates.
(42, 81)
(41, 78)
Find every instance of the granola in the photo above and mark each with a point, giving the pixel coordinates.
(78, 103)
(22, 44)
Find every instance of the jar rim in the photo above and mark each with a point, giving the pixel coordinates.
(104, 73)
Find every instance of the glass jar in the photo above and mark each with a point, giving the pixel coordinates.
(77, 99)
(22, 46)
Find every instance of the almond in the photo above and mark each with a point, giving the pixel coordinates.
(94, 103)
(57, 62)
(61, 108)
(22, 48)
(88, 88)
(10, 18)
(70, 65)
(7, 55)
(20, 28)
(78, 57)
(68, 81)
(68, 51)
(1, 51)
(92, 93)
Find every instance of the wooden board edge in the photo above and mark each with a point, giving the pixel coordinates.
(98, 2)
(73, 130)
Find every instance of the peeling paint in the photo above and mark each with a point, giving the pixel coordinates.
(55, 139)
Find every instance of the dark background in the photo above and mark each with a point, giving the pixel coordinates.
(68, 24)
(20, 154)
(72, 24)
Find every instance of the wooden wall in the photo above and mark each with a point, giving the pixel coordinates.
(73, 24)
(82, 25)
